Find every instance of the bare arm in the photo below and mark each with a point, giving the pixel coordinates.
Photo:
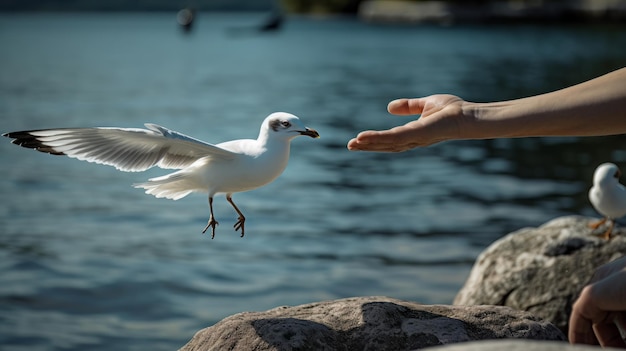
(595, 107)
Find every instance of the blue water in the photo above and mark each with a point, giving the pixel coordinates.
(88, 262)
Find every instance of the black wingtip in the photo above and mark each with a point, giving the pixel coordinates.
(27, 140)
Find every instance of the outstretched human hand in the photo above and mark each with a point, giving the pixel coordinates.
(601, 307)
(443, 118)
(592, 108)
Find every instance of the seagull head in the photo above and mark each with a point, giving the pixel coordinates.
(606, 174)
(287, 126)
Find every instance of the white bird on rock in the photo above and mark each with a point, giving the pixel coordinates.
(607, 196)
(225, 168)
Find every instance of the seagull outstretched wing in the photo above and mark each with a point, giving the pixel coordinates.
(127, 149)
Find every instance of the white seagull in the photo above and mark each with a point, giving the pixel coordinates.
(225, 168)
(607, 196)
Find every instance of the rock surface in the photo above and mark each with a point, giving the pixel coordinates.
(517, 345)
(368, 323)
(541, 270)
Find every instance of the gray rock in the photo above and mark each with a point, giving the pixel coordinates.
(516, 345)
(368, 323)
(541, 270)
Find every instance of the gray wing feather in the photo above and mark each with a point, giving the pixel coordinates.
(127, 149)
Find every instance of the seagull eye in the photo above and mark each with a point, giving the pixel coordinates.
(286, 124)
(617, 174)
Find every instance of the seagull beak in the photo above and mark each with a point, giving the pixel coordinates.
(310, 132)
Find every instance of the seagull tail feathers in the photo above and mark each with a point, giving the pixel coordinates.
(172, 186)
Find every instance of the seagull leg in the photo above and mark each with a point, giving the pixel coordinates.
(241, 220)
(596, 225)
(212, 222)
(607, 234)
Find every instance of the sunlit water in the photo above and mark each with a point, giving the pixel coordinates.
(88, 262)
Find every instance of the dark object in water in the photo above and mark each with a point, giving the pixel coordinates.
(185, 18)
(273, 23)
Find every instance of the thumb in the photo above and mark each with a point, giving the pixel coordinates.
(403, 107)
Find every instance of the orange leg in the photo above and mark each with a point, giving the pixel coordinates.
(607, 234)
(596, 225)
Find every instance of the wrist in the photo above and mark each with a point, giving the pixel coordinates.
(480, 120)
(505, 119)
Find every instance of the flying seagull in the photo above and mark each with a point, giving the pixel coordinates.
(225, 168)
(607, 196)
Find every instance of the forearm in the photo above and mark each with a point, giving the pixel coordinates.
(595, 107)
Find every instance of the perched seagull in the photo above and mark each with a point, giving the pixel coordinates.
(607, 196)
(225, 168)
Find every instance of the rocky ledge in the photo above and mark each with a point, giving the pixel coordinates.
(369, 323)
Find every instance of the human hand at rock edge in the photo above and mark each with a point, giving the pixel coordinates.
(600, 310)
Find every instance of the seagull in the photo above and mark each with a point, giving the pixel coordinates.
(607, 196)
(224, 168)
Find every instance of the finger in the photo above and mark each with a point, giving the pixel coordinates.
(354, 145)
(403, 107)
(367, 144)
(396, 135)
(609, 292)
(581, 330)
(582, 318)
(609, 335)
